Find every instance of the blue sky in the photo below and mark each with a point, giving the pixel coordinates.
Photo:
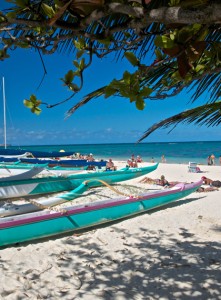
(112, 120)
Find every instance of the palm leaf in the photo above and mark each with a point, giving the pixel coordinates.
(85, 100)
(208, 114)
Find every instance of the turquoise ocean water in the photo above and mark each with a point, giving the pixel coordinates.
(175, 152)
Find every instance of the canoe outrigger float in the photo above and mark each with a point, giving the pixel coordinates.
(46, 223)
(53, 184)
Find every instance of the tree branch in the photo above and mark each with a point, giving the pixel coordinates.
(167, 15)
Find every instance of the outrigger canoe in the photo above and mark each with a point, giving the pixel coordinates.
(47, 223)
(18, 168)
(40, 154)
(65, 162)
(26, 174)
(53, 184)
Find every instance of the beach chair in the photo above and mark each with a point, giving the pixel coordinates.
(193, 168)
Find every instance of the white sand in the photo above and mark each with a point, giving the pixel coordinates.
(169, 253)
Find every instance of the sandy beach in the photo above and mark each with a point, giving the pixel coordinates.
(169, 253)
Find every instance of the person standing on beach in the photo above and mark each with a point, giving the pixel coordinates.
(213, 159)
(163, 159)
(209, 162)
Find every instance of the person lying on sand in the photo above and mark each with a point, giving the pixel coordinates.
(208, 181)
(208, 189)
(162, 181)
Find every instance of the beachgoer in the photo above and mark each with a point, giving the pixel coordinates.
(163, 159)
(132, 163)
(139, 159)
(110, 165)
(220, 160)
(208, 181)
(90, 157)
(91, 168)
(152, 160)
(209, 160)
(129, 162)
(162, 181)
(213, 159)
(149, 180)
(208, 189)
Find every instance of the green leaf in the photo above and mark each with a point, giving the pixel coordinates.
(69, 77)
(199, 68)
(77, 45)
(28, 103)
(174, 2)
(163, 42)
(81, 42)
(176, 76)
(82, 64)
(140, 104)
(23, 45)
(109, 91)
(22, 3)
(124, 91)
(48, 10)
(172, 36)
(158, 54)
(133, 98)
(79, 53)
(33, 98)
(127, 77)
(36, 110)
(184, 34)
(131, 58)
(73, 87)
(188, 77)
(76, 64)
(127, 34)
(146, 91)
(11, 15)
(2, 19)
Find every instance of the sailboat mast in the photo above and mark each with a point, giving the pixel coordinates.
(4, 109)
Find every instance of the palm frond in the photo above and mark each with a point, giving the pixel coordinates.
(208, 114)
(85, 100)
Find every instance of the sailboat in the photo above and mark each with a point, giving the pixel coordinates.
(5, 145)
(22, 152)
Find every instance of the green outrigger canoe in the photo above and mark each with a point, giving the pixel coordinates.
(54, 184)
(46, 223)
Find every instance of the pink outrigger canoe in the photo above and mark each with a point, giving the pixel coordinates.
(46, 223)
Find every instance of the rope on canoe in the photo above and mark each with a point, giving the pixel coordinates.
(51, 208)
(113, 189)
(63, 211)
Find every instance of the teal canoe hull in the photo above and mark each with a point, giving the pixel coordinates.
(35, 226)
(54, 184)
(23, 166)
